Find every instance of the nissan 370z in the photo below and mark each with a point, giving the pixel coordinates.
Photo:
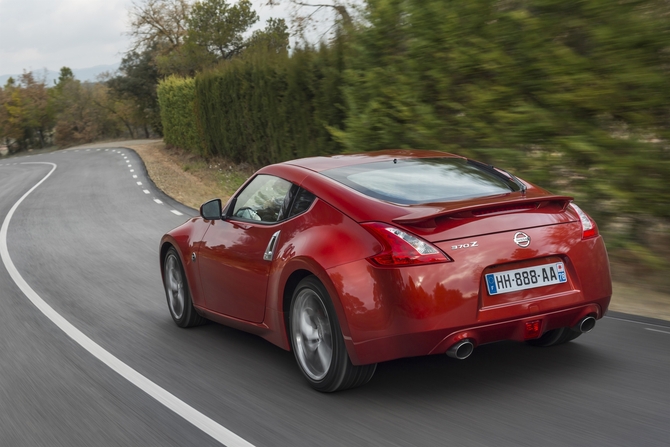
(353, 260)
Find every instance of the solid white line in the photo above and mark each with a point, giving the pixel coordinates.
(199, 420)
(633, 321)
(176, 212)
(656, 330)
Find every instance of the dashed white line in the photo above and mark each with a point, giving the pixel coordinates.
(181, 408)
(139, 183)
(176, 212)
(146, 191)
(158, 201)
(134, 176)
(132, 170)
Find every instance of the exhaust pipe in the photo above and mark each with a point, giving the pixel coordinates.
(461, 350)
(585, 325)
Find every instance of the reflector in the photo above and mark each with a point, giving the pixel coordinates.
(533, 329)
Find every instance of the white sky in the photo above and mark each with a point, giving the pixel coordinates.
(38, 34)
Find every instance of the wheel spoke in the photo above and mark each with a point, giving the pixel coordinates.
(324, 353)
(309, 333)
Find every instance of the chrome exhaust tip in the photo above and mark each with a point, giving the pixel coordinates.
(585, 325)
(461, 350)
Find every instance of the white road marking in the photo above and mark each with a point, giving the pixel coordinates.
(176, 212)
(158, 201)
(181, 408)
(633, 321)
(130, 166)
(657, 330)
(146, 191)
(134, 176)
(132, 170)
(139, 183)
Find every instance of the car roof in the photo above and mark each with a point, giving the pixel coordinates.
(322, 163)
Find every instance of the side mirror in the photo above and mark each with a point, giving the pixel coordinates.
(211, 210)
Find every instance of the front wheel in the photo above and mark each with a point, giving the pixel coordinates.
(317, 341)
(177, 292)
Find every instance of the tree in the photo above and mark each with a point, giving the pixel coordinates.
(274, 37)
(25, 116)
(137, 83)
(81, 116)
(39, 113)
(158, 25)
(218, 27)
(319, 16)
(65, 74)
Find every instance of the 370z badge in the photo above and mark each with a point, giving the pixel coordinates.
(470, 245)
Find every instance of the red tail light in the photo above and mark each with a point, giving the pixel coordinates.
(402, 248)
(589, 227)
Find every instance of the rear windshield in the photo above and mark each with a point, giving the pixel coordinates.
(423, 180)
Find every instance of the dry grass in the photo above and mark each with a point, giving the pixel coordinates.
(188, 178)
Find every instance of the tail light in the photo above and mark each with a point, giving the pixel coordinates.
(402, 248)
(589, 227)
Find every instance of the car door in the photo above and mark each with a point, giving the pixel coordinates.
(237, 252)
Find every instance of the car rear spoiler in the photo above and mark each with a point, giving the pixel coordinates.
(427, 214)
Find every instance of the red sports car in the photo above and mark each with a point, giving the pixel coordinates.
(352, 260)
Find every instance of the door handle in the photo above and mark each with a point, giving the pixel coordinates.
(269, 251)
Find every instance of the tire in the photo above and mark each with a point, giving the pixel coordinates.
(317, 342)
(554, 337)
(178, 293)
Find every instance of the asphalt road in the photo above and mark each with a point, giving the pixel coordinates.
(85, 241)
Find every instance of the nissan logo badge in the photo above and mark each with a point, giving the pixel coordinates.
(522, 239)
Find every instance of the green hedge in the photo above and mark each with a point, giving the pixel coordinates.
(176, 98)
(265, 107)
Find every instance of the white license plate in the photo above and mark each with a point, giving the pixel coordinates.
(525, 278)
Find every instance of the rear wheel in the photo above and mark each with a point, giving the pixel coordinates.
(554, 337)
(177, 292)
(317, 341)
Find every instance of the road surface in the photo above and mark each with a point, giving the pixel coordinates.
(90, 356)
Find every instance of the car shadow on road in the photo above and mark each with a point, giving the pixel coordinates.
(498, 366)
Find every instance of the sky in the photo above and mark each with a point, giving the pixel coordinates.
(39, 34)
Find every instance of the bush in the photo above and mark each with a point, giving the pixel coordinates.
(176, 98)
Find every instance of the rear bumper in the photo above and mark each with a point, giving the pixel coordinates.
(439, 341)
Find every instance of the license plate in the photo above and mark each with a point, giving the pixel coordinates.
(525, 278)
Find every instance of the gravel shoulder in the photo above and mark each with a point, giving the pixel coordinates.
(193, 182)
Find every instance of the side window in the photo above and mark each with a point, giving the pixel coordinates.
(302, 202)
(262, 199)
